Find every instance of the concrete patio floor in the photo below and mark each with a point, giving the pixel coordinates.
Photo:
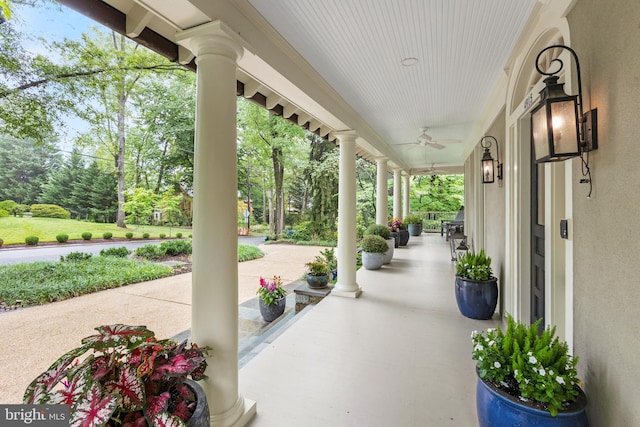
(400, 355)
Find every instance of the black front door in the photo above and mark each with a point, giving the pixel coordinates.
(537, 242)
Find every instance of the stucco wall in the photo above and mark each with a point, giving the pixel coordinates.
(494, 209)
(606, 37)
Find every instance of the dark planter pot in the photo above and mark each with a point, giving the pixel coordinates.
(200, 417)
(477, 300)
(415, 229)
(396, 237)
(498, 409)
(318, 282)
(272, 311)
(334, 274)
(404, 237)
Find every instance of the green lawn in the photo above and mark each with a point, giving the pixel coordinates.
(14, 230)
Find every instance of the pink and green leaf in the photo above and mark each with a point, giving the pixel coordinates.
(167, 420)
(74, 388)
(94, 410)
(118, 335)
(38, 390)
(130, 387)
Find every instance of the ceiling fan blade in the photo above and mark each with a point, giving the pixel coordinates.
(408, 143)
(448, 141)
(435, 145)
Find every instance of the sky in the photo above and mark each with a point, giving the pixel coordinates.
(53, 23)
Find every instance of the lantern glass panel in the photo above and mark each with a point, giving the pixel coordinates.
(565, 129)
(540, 133)
(487, 171)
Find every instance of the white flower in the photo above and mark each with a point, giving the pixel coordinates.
(550, 372)
(490, 330)
(473, 334)
(497, 364)
(560, 380)
(515, 372)
(532, 359)
(492, 343)
(541, 371)
(478, 347)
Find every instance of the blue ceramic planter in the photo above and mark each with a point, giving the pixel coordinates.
(497, 409)
(477, 299)
(318, 282)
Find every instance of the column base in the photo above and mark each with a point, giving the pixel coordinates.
(238, 416)
(346, 293)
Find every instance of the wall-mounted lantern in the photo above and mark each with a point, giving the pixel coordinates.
(489, 170)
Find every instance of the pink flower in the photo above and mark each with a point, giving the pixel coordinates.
(272, 286)
(263, 283)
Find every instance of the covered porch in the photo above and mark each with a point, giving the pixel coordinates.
(398, 355)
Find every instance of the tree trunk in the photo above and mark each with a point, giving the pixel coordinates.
(278, 176)
(122, 100)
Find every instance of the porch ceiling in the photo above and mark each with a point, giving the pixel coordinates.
(333, 65)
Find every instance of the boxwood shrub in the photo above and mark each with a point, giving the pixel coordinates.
(145, 235)
(107, 235)
(162, 235)
(62, 238)
(86, 235)
(179, 235)
(129, 235)
(31, 240)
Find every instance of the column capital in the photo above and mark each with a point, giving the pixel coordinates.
(381, 160)
(346, 135)
(212, 38)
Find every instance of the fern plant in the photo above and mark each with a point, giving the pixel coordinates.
(474, 266)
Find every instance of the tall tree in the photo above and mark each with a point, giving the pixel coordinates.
(104, 95)
(278, 138)
(322, 174)
(61, 181)
(24, 166)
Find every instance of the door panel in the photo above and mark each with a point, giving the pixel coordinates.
(537, 242)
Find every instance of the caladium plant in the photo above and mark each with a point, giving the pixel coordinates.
(123, 376)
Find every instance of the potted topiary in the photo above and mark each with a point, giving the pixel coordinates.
(385, 233)
(414, 223)
(476, 288)
(373, 250)
(318, 274)
(125, 376)
(272, 298)
(526, 378)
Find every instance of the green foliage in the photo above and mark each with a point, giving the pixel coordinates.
(415, 219)
(24, 167)
(145, 235)
(248, 252)
(176, 247)
(49, 211)
(537, 365)
(76, 257)
(86, 235)
(44, 282)
(162, 235)
(378, 230)
(121, 252)
(436, 193)
(150, 252)
(107, 235)
(373, 243)
(1, 242)
(128, 235)
(322, 175)
(179, 235)
(62, 238)
(328, 256)
(318, 268)
(8, 205)
(31, 240)
(3, 213)
(474, 266)
(139, 205)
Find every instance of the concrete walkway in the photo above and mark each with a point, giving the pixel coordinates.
(33, 338)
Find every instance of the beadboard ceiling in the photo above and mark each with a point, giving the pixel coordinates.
(357, 46)
(338, 64)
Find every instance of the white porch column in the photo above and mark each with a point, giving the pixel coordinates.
(382, 189)
(406, 188)
(397, 194)
(347, 285)
(214, 318)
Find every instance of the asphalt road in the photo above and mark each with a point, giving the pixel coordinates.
(53, 253)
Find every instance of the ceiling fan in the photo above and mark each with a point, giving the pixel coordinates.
(428, 171)
(425, 140)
